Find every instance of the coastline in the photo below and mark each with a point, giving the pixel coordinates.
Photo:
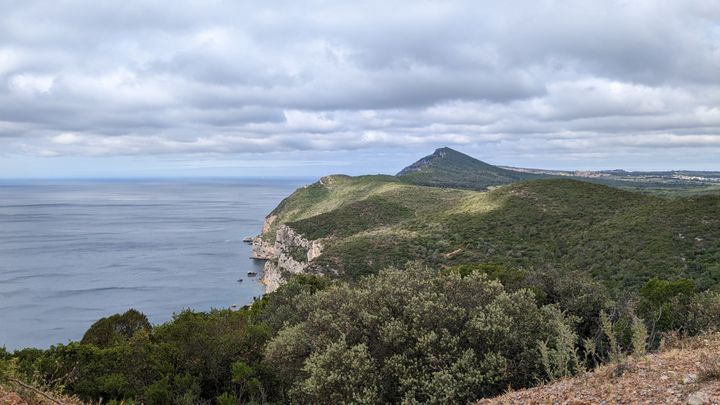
(281, 256)
(263, 251)
(271, 278)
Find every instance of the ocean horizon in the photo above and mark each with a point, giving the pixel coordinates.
(75, 250)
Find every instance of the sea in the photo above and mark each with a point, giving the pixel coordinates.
(74, 251)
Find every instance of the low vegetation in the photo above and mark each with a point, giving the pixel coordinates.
(409, 335)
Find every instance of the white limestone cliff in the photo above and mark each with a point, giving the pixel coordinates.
(291, 253)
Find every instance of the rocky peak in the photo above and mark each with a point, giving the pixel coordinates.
(426, 161)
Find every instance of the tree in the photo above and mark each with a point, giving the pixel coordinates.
(661, 302)
(113, 329)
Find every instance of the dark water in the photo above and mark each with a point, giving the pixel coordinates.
(74, 251)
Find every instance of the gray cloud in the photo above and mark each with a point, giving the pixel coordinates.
(579, 79)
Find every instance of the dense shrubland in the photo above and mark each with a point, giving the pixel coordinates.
(410, 335)
(620, 237)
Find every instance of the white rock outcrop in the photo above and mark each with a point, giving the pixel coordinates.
(262, 250)
(282, 256)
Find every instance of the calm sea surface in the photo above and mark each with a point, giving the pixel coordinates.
(72, 252)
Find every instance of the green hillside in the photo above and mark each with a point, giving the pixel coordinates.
(330, 193)
(449, 168)
(621, 237)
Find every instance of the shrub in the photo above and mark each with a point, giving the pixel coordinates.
(414, 335)
(339, 374)
(116, 328)
(701, 313)
(190, 359)
(657, 291)
(575, 293)
(512, 279)
(675, 306)
(280, 307)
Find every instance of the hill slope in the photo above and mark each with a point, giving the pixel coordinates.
(449, 168)
(686, 374)
(623, 238)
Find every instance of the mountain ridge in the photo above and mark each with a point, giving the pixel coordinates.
(449, 168)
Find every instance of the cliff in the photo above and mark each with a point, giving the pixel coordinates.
(290, 253)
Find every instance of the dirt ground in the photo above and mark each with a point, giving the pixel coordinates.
(684, 372)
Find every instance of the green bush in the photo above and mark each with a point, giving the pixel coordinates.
(414, 335)
(279, 308)
(692, 314)
(662, 303)
(299, 254)
(575, 293)
(190, 359)
(511, 278)
(410, 335)
(657, 291)
(113, 329)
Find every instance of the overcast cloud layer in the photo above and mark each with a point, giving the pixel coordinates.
(546, 83)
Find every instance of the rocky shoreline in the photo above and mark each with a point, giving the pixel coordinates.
(290, 254)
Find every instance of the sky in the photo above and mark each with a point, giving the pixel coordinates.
(288, 88)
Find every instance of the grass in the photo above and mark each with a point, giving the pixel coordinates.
(328, 194)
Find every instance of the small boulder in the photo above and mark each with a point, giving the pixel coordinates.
(690, 378)
(698, 398)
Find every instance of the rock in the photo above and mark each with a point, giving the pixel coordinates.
(291, 253)
(271, 278)
(248, 239)
(690, 378)
(286, 242)
(262, 250)
(699, 398)
(314, 250)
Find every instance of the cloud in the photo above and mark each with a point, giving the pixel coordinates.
(31, 84)
(66, 139)
(87, 78)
